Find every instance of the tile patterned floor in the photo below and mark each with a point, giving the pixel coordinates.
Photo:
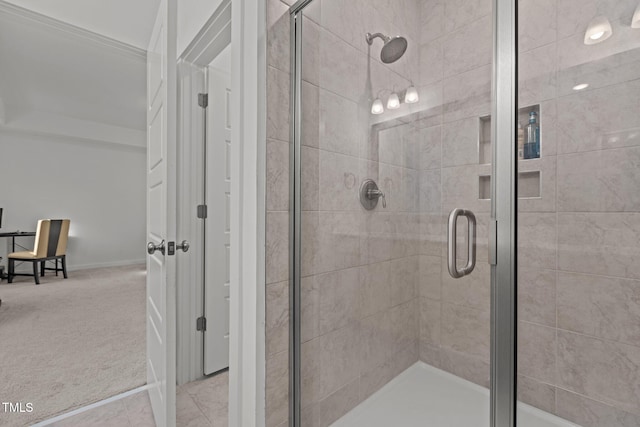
(202, 403)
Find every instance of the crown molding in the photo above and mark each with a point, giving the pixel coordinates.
(69, 139)
(9, 9)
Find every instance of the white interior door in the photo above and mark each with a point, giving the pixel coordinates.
(218, 236)
(161, 214)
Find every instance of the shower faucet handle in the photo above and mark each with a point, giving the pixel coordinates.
(370, 193)
(377, 194)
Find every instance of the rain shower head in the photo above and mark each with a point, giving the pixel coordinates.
(393, 49)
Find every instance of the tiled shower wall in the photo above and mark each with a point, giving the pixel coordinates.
(579, 294)
(373, 284)
(579, 345)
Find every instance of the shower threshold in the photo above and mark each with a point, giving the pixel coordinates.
(424, 396)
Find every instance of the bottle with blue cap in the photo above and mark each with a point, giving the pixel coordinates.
(532, 143)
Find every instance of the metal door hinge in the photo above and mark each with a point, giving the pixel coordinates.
(202, 211)
(201, 324)
(203, 100)
(493, 242)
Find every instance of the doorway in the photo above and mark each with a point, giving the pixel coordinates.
(71, 116)
(218, 231)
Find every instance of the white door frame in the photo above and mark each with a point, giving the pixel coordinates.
(190, 189)
(248, 176)
(248, 215)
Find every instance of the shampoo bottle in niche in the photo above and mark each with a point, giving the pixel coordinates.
(520, 142)
(532, 144)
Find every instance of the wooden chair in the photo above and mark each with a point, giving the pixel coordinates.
(50, 244)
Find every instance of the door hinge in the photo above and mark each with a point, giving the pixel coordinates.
(202, 211)
(203, 100)
(201, 324)
(493, 242)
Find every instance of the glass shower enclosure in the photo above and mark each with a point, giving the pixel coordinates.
(464, 197)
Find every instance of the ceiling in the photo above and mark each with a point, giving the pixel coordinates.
(82, 61)
(128, 21)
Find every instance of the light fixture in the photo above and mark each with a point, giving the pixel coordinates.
(393, 102)
(411, 96)
(598, 30)
(377, 107)
(635, 21)
(581, 86)
(596, 36)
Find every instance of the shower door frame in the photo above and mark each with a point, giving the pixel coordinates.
(504, 214)
(503, 222)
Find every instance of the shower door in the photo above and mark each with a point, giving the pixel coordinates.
(412, 131)
(394, 114)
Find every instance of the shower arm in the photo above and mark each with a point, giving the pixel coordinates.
(370, 38)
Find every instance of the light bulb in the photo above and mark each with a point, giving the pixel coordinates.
(377, 107)
(393, 102)
(597, 35)
(581, 86)
(411, 96)
(598, 30)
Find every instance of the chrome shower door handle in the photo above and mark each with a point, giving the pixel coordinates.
(452, 235)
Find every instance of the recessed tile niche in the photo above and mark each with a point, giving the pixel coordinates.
(528, 185)
(528, 182)
(484, 141)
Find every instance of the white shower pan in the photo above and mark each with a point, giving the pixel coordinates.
(423, 396)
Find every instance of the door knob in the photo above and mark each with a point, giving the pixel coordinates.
(151, 248)
(184, 246)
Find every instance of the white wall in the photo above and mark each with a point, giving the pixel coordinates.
(99, 186)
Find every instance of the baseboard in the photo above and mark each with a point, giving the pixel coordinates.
(52, 421)
(122, 263)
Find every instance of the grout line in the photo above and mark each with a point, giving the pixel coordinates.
(278, 140)
(202, 413)
(597, 150)
(582, 273)
(92, 406)
(565, 213)
(542, 325)
(557, 245)
(529, 377)
(611, 404)
(594, 337)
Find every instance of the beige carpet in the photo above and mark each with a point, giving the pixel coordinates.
(68, 343)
